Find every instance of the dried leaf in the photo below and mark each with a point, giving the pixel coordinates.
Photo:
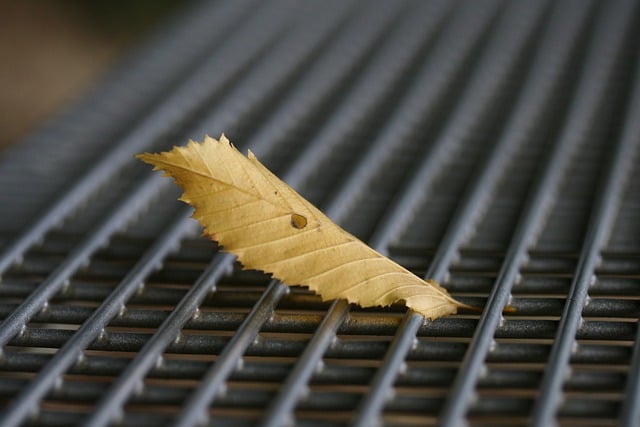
(270, 227)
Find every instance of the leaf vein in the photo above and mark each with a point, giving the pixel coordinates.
(377, 276)
(342, 265)
(310, 253)
(219, 181)
(278, 240)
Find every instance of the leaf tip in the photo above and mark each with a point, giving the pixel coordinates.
(149, 158)
(145, 157)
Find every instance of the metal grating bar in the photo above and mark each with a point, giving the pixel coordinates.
(280, 68)
(385, 70)
(100, 174)
(180, 105)
(630, 412)
(37, 300)
(332, 72)
(620, 165)
(584, 108)
(534, 96)
(372, 89)
(195, 410)
(16, 322)
(405, 121)
(64, 359)
(93, 328)
(603, 214)
(127, 95)
(561, 37)
(449, 135)
(294, 387)
(187, 308)
(110, 406)
(138, 199)
(545, 70)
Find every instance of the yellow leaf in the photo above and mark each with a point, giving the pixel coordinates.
(270, 227)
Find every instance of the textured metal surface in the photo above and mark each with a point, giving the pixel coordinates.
(492, 146)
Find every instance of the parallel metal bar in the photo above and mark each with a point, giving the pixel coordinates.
(630, 411)
(79, 256)
(469, 210)
(561, 27)
(127, 93)
(140, 196)
(28, 399)
(386, 71)
(193, 413)
(152, 352)
(379, 390)
(280, 409)
(295, 386)
(619, 17)
(284, 77)
(589, 93)
(601, 219)
(207, 80)
(372, 33)
(194, 410)
(110, 406)
(315, 27)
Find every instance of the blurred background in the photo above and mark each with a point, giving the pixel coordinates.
(54, 50)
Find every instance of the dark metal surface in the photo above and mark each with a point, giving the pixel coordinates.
(489, 145)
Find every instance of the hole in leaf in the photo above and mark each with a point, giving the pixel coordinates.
(298, 221)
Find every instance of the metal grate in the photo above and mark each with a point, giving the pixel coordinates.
(489, 145)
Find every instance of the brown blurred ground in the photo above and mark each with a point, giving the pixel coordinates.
(51, 51)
